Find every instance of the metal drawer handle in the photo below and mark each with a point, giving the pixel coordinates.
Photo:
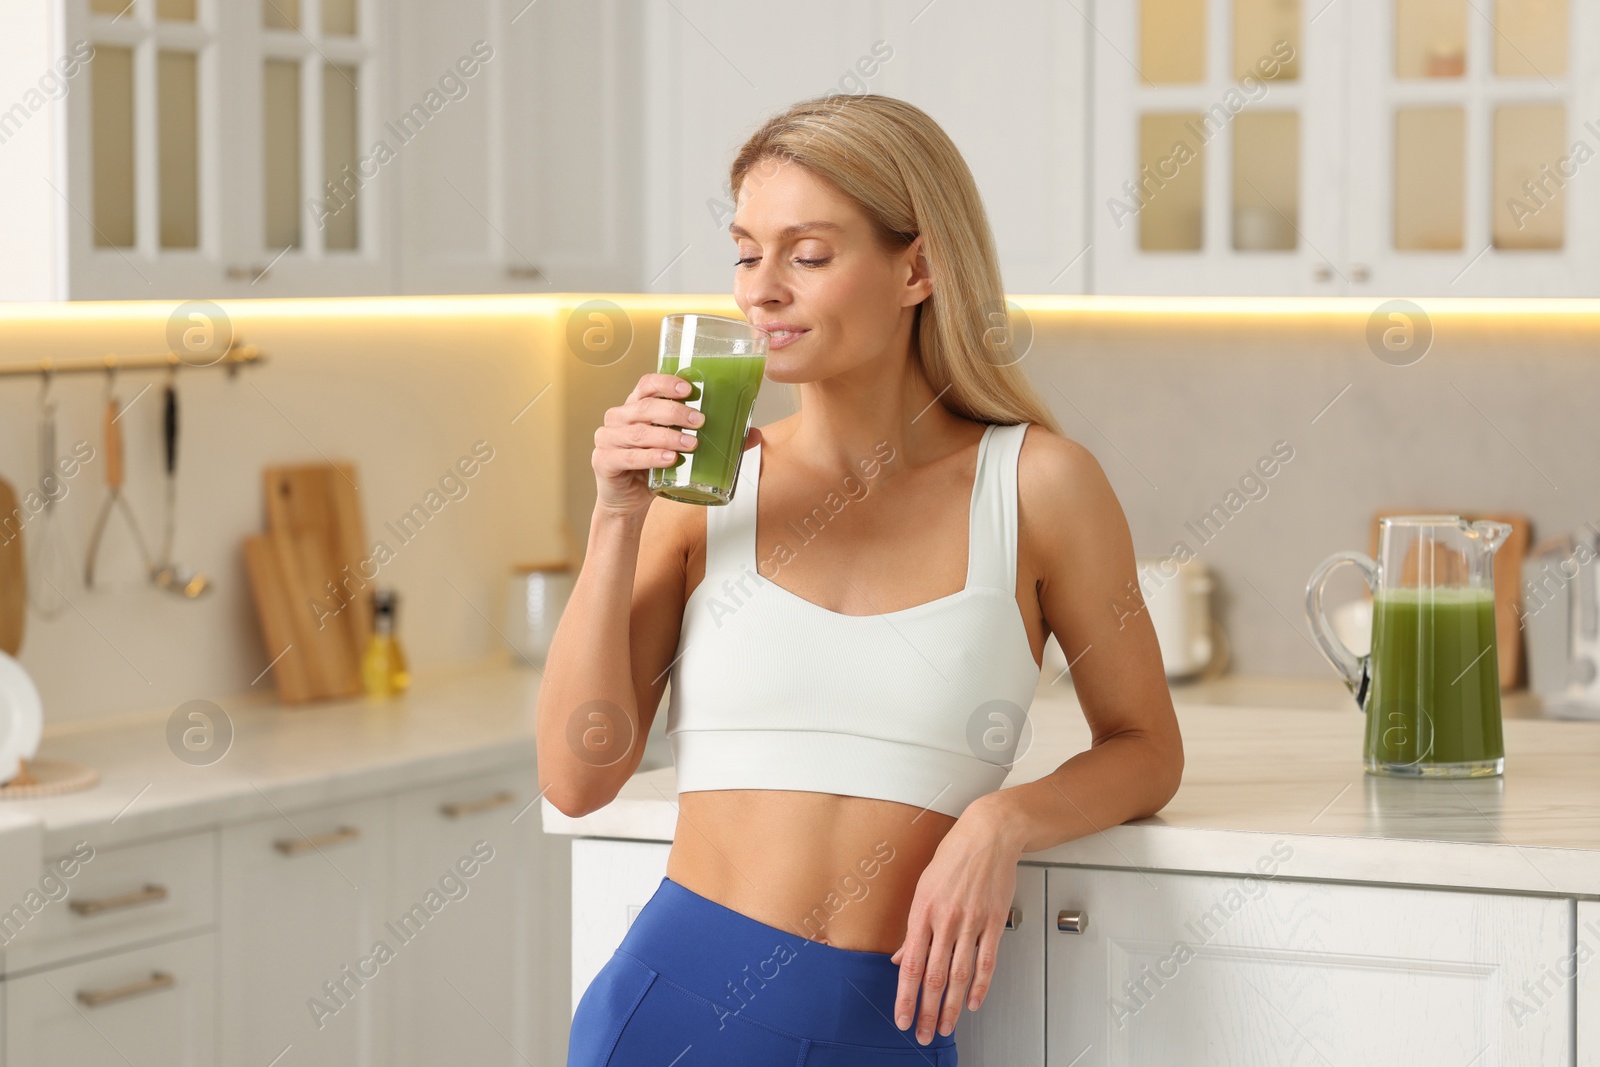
(148, 895)
(296, 846)
(94, 998)
(1014, 918)
(1072, 922)
(456, 809)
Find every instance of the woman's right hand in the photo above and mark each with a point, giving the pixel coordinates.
(641, 433)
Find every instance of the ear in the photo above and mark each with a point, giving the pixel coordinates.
(919, 276)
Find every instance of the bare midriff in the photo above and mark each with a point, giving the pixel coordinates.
(836, 869)
(840, 870)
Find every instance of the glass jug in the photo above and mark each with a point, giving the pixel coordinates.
(1430, 686)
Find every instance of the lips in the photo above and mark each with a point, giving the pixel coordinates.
(781, 336)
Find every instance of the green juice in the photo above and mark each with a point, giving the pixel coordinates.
(725, 389)
(1435, 691)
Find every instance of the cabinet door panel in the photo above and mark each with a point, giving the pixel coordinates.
(611, 882)
(522, 182)
(1217, 154)
(714, 72)
(1471, 138)
(305, 905)
(1198, 970)
(487, 982)
(1585, 951)
(1015, 104)
(151, 1006)
(1007, 1030)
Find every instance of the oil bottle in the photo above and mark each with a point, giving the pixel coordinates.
(383, 664)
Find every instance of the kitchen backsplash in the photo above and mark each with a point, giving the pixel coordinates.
(1187, 411)
(403, 389)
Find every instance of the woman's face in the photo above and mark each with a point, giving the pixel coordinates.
(808, 261)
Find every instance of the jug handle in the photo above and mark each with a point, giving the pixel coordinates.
(1355, 670)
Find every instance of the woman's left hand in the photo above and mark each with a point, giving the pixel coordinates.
(953, 930)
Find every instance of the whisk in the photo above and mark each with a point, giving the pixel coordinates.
(47, 571)
(114, 497)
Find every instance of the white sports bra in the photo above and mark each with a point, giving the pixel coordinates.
(923, 706)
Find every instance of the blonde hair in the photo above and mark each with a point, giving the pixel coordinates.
(909, 178)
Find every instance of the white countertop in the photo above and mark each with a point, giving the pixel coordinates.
(1288, 770)
(452, 722)
(1255, 776)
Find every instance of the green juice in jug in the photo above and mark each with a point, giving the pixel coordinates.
(1435, 677)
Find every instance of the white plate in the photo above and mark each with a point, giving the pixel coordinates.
(21, 717)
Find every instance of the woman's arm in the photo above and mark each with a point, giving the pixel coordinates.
(607, 665)
(1071, 522)
(1089, 593)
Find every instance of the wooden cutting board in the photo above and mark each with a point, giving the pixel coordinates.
(312, 591)
(13, 580)
(320, 501)
(1508, 561)
(274, 610)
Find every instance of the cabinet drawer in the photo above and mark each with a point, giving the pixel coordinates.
(146, 1006)
(119, 897)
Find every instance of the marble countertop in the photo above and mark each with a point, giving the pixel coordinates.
(1289, 770)
(453, 722)
(1267, 759)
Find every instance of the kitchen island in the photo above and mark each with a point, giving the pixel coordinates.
(1285, 907)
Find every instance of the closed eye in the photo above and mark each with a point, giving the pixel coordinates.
(752, 259)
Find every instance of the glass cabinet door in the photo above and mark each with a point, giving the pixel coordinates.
(1216, 164)
(1467, 138)
(307, 149)
(142, 125)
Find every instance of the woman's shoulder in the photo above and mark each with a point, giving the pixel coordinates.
(1060, 486)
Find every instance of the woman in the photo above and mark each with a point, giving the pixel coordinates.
(849, 673)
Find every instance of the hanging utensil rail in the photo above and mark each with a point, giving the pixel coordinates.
(238, 355)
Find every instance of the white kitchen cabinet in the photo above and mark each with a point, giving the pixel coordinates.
(1007, 1030)
(1013, 102)
(196, 149)
(1196, 970)
(611, 883)
(121, 896)
(478, 986)
(527, 180)
(1009, 82)
(306, 903)
(1217, 155)
(1470, 130)
(319, 148)
(306, 87)
(708, 85)
(1585, 969)
(152, 1005)
(1384, 156)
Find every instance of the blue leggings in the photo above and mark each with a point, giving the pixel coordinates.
(697, 984)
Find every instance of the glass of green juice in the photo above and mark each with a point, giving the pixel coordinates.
(1430, 682)
(722, 360)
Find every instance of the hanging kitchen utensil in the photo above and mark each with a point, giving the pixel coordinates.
(48, 572)
(167, 574)
(114, 497)
(13, 610)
